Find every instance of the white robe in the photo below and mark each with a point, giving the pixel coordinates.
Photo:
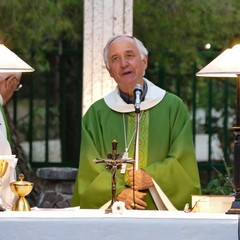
(8, 196)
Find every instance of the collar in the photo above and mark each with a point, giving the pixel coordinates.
(153, 96)
(128, 99)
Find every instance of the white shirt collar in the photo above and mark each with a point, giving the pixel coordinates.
(153, 97)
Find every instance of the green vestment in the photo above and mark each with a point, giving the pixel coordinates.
(169, 158)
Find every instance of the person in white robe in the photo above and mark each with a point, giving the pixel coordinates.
(9, 82)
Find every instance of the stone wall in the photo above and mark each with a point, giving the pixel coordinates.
(55, 186)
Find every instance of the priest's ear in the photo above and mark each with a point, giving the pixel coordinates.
(145, 62)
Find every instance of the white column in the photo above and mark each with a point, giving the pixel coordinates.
(102, 19)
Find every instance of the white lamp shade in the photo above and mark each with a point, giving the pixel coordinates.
(227, 64)
(10, 62)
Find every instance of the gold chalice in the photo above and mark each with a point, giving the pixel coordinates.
(3, 169)
(21, 189)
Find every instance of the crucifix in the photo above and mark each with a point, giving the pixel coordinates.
(113, 162)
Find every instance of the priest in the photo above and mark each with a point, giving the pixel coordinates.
(167, 173)
(9, 83)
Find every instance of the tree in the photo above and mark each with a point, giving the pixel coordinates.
(176, 32)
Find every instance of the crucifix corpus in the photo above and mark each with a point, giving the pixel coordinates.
(114, 162)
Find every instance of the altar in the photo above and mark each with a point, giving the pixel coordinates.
(75, 224)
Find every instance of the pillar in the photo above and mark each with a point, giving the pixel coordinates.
(102, 19)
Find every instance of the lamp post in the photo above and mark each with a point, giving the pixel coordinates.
(227, 65)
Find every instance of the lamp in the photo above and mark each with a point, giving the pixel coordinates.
(10, 62)
(227, 65)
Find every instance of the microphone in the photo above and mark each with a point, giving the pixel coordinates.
(137, 97)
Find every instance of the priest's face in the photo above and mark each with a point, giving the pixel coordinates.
(126, 64)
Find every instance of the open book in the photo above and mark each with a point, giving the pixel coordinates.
(212, 203)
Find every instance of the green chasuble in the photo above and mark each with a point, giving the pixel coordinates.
(166, 151)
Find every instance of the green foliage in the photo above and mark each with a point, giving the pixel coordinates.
(176, 32)
(31, 28)
(221, 185)
(218, 186)
(40, 32)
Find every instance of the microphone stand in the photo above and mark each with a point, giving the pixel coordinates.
(136, 147)
(137, 95)
(136, 151)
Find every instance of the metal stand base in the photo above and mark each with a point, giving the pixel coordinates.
(235, 208)
(108, 210)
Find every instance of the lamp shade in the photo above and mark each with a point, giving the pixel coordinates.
(10, 62)
(227, 64)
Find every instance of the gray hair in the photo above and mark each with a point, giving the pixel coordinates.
(143, 51)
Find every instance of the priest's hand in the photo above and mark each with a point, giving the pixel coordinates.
(7, 88)
(139, 179)
(127, 196)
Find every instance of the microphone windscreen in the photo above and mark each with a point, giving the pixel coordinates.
(138, 87)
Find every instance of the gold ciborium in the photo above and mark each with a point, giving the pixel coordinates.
(3, 169)
(21, 189)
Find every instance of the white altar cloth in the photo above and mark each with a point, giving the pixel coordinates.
(73, 224)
